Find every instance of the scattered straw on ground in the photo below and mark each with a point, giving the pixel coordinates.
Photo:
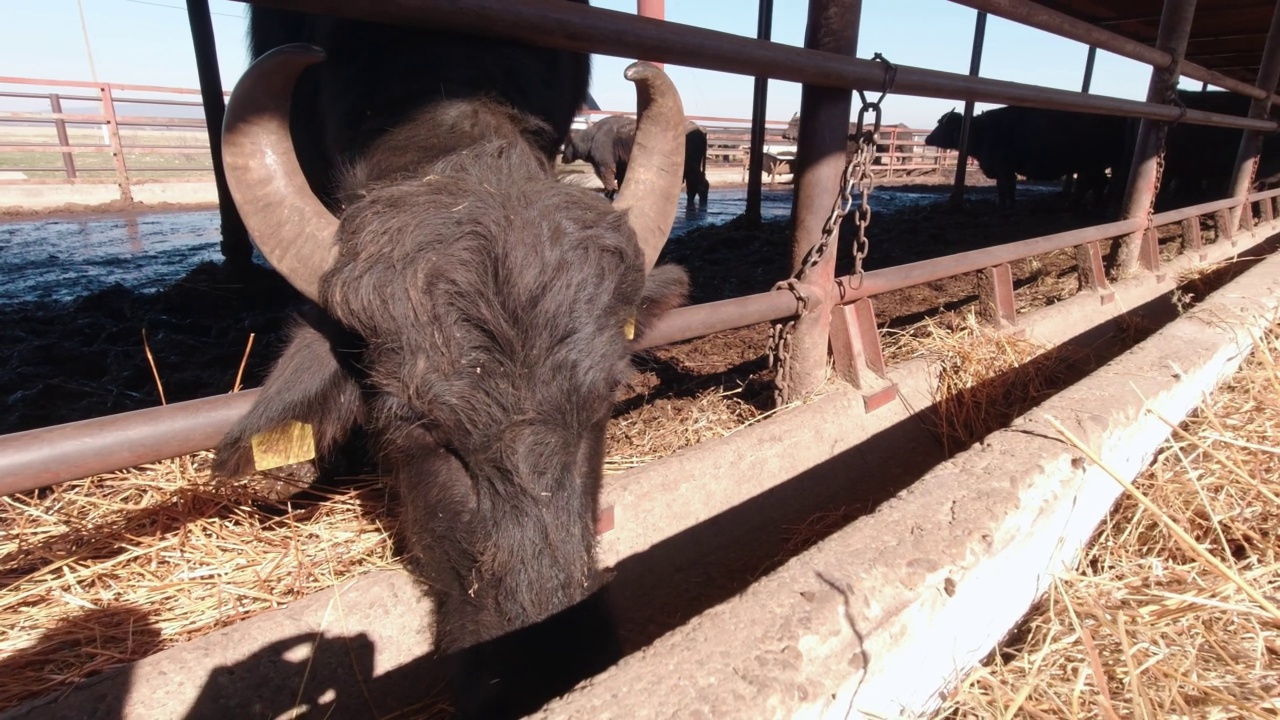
(1146, 628)
(985, 377)
(104, 571)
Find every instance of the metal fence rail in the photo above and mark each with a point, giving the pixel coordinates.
(566, 26)
(47, 456)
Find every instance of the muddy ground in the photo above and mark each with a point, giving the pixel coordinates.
(61, 362)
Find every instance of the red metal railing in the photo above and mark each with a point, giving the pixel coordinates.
(728, 137)
(728, 142)
(122, 134)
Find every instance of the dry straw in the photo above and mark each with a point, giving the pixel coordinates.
(104, 571)
(1171, 613)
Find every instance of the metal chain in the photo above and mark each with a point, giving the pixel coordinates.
(1162, 134)
(855, 176)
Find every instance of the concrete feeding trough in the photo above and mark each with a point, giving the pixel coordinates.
(880, 618)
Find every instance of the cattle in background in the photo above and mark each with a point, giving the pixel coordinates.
(469, 313)
(1200, 159)
(695, 163)
(1039, 145)
(606, 146)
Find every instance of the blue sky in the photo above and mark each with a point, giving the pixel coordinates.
(148, 42)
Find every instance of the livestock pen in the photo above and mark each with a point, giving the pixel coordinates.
(881, 612)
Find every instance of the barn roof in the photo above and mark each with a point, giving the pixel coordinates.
(1226, 35)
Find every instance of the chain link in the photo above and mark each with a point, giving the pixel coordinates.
(1162, 134)
(856, 176)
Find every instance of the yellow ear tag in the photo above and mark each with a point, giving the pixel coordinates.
(285, 444)
(629, 329)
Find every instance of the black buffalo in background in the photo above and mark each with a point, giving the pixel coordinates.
(469, 314)
(1200, 160)
(1039, 145)
(606, 146)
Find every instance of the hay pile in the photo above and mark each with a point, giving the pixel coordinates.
(985, 377)
(1148, 627)
(105, 571)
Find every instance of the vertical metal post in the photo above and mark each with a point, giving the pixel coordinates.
(759, 104)
(1088, 69)
(117, 146)
(820, 158)
(60, 125)
(235, 238)
(1251, 140)
(652, 9)
(975, 63)
(1139, 196)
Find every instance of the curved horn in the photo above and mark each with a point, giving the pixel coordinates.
(652, 190)
(294, 231)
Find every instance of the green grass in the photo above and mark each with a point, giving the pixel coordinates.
(140, 163)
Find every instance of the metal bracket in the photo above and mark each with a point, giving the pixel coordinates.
(1149, 253)
(1192, 241)
(995, 293)
(855, 349)
(1222, 221)
(1093, 271)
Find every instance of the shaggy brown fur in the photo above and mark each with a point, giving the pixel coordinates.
(473, 329)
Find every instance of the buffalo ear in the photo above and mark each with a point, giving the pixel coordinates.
(666, 287)
(308, 386)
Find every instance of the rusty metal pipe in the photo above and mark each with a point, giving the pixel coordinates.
(1148, 154)
(235, 244)
(39, 458)
(696, 321)
(1089, 61)
(759, 105)
(1250, 150)
(966, 123)
(916, 273)
(567, 26)
(821, 153)
(1063, 25)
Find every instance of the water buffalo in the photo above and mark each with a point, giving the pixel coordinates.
(468, 313)
(607, 144)
(1039, 145)
(1200, 160)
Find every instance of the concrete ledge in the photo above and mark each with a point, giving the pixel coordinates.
(885, 616)
(87, 196)
(326, 645)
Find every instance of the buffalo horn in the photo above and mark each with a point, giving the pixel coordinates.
(652, 189)
(288, 224)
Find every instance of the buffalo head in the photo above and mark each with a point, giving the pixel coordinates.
(947, 134)
(474, 317)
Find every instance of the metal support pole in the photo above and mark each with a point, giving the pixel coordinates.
(235, 238)
(112, 128)
(1139, 196)
(652, 9)
(1251, 141)
(975, 63)
(60, 126)
(820, 159)
(1088, 68)
(759, 105)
